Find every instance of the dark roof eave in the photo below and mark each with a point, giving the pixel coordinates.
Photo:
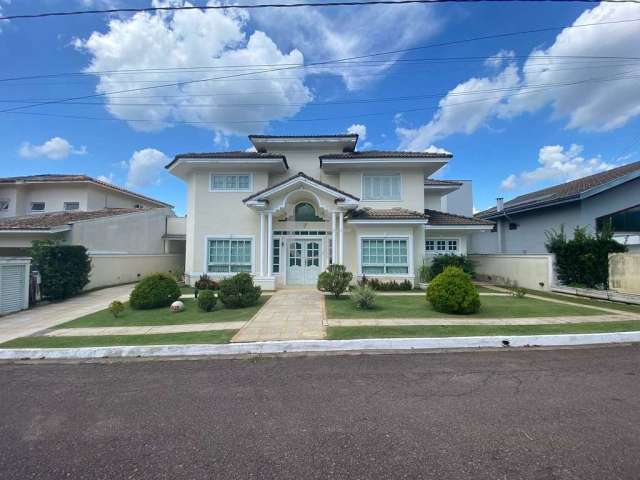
(249, 156)
(516, 210)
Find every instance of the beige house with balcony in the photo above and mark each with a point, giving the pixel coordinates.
(298, 203)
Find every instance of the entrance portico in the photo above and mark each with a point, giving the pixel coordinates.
(301, 230)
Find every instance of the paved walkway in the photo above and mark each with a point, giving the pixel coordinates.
(290, 314)
(147, 330)
(33, 320)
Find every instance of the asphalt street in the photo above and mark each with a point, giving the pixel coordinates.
(513, 414)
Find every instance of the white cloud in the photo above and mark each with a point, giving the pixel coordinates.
(107, 178)
(557, 163)
(434, 149)
(360, 130)
(592, 105)
(323, 34)
(145, 167)
(458, 114)
(56, 148)
(195, 38)
(2, 3)
(500, 58)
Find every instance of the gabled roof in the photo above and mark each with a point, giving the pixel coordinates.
(569, 191)
(74, 178)
(437, 218)
(53, 220)
(269, 190)
(386, 214)
(233, 155)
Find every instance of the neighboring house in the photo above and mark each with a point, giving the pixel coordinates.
(521, 224)
(299, 203)
(38, 194)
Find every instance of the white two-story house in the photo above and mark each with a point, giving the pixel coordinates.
(298, 203)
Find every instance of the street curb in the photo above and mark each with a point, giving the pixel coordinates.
(315, 346)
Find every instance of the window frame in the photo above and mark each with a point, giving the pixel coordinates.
(231, 174)
(410, 267)
(65, 204)
(447, 244)
(381, 174)
(44, 207)
(230, 238)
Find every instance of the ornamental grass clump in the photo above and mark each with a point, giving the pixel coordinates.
(364, 297)
(453, 292)
(335, 280)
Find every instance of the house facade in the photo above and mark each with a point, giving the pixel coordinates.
(298, 203)
(522, 223)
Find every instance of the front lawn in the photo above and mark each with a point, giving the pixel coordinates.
(162, 316)
(417, 307)
(624, 307)
(426, 331)
(217, 336)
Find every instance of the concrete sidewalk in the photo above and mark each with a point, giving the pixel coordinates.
(144, 330)
(35, 319)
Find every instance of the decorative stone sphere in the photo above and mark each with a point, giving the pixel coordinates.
(177, 306)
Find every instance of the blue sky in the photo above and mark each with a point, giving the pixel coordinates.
(518, 113)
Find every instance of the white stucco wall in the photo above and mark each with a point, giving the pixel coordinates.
(529, 271)
(624, 272)
(412, 189)
(110, 269)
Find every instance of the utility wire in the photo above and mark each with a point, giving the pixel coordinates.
(276, 5)
(358, 57)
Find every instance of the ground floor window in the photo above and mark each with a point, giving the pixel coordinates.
(229, 256)
(276, 255)
(441, 246)
(385, 256)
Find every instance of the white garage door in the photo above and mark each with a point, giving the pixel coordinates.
(12, 288)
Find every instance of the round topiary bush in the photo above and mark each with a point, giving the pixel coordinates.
(154, 291)
(207, 300)
(453, 292)
(239, 291)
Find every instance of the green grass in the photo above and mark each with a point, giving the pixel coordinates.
(218, 336)
(187, 289)
(162, 316)
(348, 333)
(624, 307)
(418, 307)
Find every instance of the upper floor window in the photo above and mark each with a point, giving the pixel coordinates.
(71, 206)
(383, 186)
(624, 221)
(304, 212)
(441, 246)
(138, 206)
(4, 204)
(230, 182)
(37, 207)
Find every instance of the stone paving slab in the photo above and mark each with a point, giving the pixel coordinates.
(396, 322)
(30, 321)
(290, 314)
(144, 330)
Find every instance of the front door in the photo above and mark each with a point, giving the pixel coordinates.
(303, 266)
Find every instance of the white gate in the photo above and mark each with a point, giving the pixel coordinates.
(14, 285)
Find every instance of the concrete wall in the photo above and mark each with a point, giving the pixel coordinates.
(460, 202)
(110, 269)
(412, 189)
(529, 271)
(624, 272)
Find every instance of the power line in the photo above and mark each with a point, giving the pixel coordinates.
(275, 5)
(358, 57)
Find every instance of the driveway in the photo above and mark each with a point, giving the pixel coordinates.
(525, 414)
(35, 319)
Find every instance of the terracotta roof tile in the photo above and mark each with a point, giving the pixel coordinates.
(47, 221)
(386, 214)
(438, 218)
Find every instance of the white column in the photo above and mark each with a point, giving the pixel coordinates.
(333, 237)
(269, 244)
(341, 217)
(261, 259)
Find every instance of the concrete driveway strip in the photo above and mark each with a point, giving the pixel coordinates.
(525, 415)
(33, 320)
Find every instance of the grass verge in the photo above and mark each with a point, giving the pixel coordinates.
(349, 333)
(162, 316)
(623, 307)
(218, 336)
(418, 307)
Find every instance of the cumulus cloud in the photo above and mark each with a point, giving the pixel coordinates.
(458, 114)
(360, 130)
(56, 148)
(557, 163)
(500, 58)
(145, 167)
(107, 178)
(182, 39)
(434, 149)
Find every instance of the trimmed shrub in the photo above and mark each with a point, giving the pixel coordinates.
(583, 260)
(519, 292)
(390, 286)
(154, 291)
(116, 308)
(206, 283)
(364, 297)
(453, 292)
(239, 291)
(335, 279)
(440, 262)
(207, 300)
(64, 268)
